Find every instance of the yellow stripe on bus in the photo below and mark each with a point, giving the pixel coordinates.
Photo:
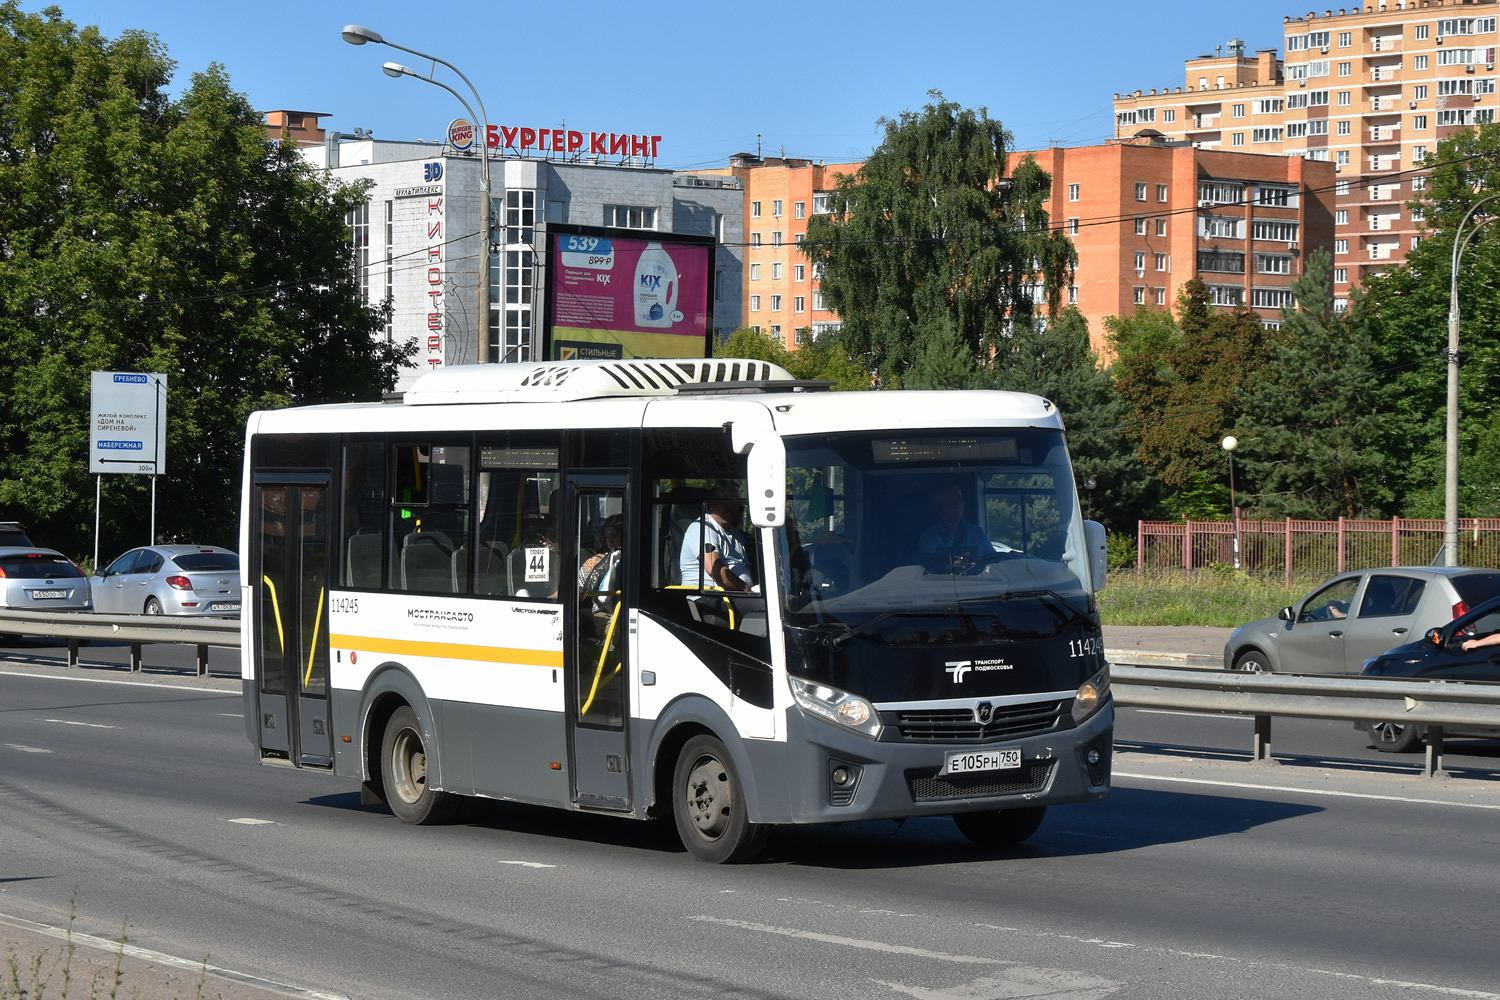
(450, 650)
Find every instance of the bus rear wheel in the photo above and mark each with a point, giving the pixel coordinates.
(403, 767)
(708, 803)
(1001, 828)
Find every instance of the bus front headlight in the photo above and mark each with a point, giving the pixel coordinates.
(1090, 696)
(829, 703)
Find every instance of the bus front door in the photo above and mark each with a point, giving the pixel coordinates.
(290, 571)
(595, 651)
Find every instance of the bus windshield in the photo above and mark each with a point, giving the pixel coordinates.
(934, 537)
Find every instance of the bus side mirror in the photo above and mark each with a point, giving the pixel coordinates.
(1094, 541)
(765, 476)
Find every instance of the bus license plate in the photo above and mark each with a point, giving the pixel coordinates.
(963, 762)
(49, 595)
(224, 606)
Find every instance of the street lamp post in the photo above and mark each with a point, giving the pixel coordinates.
(356, 34)
(1450, 484)
(1230, 443)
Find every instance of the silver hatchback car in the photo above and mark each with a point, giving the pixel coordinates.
(1357, 615)
(33, 579)
(170, 580)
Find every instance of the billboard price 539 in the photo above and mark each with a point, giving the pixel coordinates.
(614, 296)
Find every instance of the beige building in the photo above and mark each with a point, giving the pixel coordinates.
(1371, 89)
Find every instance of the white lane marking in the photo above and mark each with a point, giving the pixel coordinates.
(252, 821)
(1307, 791)
(26, 749)
(1195, 715)
(526, 864)
(1457, 991)
(894, 949)
(165, 684)
(70, 722)
(233, 715)
(135, 951)
(1018, 982)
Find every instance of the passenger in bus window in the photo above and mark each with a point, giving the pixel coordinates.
(713, 547)
(597, 578)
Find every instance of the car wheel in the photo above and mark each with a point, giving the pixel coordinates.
(1253, 662)
(1395, 737)
(403, 773)
(1001, 828)
(153, 606)
(708, 804)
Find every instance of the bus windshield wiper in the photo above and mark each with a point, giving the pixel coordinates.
(1051, 598)
(867, 624)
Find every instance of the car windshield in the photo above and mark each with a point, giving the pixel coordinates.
(38, 566)
(974, 531)
(208, 562)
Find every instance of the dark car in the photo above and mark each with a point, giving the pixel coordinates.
(1357, 615)
(12, 534)
(1439, 656)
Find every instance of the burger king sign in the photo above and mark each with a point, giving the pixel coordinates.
(461, 134)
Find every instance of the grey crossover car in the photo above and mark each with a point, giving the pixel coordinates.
(170, 580)
(1357, 615)
(33, 579)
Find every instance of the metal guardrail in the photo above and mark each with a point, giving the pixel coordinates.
(76, 626)
(1433, 704)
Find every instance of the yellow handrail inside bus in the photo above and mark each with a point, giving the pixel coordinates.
(719, 591)
(609, 634)
(312, 649)
(276, 610)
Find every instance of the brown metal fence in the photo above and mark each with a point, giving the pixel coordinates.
(1319, 548)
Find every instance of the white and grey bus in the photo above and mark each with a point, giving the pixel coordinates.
(480, 590)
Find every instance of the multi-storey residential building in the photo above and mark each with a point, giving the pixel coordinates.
(1371, 89)
(781, 296)
(1146, 216)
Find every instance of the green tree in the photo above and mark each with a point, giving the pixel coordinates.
(143, 233)
(1410, 301)
(931, 226)
(1183, 383)
(821, 360)
(1312, 430)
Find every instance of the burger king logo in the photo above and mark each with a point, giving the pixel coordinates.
(461, 134)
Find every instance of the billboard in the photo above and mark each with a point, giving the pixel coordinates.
(128, 422)
(627, 293)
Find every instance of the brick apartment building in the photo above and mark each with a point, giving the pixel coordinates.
(781, 295)
(1146, 216)
(1370, 89)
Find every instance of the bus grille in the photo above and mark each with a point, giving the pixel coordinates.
(929, 786)
(957, 725)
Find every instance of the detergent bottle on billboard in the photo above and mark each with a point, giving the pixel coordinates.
(655, 287)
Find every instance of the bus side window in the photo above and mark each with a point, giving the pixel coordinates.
(430, 519)
(363, 519)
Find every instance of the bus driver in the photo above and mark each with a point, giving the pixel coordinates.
(716, 538)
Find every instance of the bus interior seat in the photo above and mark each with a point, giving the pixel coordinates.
(363, 566)
(427, 562)
(493, 576)
(684, 506)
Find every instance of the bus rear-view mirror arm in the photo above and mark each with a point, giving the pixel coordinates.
(765, 477)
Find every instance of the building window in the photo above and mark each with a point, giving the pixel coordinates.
(1161, 193)
(1342, 157)
(755, 239)
(1418, 214)
(1225, 295)
(1346, 69)
(776, 270)
(799, 211)
(1341, 276)
(1140, 226)
(1073, 226)
(1421, 34)
(1072, 295)
(1418, 154)
(629, 217)
(799, 303)
(799, 272)
(776, 330)
(754, 272)
(1419, 123)
(1419, 183)
(1221, 192)
(1161, 227)
(1161, 262)
(1140, 190)
(798, 238)
(755, 303)
(1419, 92)
(776, 303)
(1415, 242)
(1273, 263)
(1279, 230)
(1140, 295)
(1271, 298)
(1270, 134)
(1275, 196)
(1344, 128)
(1344, 99)
(1420, 63)
(1072, 192)
(1221, 227)
(1161, 296)
(358, 221)
(1238, 111)
(1237, 139)
(1341, 187)
(820, 203)
(818, 303)
(1341, 217)
(1346, 39)
(1221, 261)
(755, 210)
(776, 208)
(1140, 261)
(1340, 246)
(1169, 115)
(776, 238)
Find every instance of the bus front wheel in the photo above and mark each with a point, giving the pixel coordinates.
(403, 759)
(1001, 828)
(708, 803)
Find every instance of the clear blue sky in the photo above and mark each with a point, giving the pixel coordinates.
(701, 75)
